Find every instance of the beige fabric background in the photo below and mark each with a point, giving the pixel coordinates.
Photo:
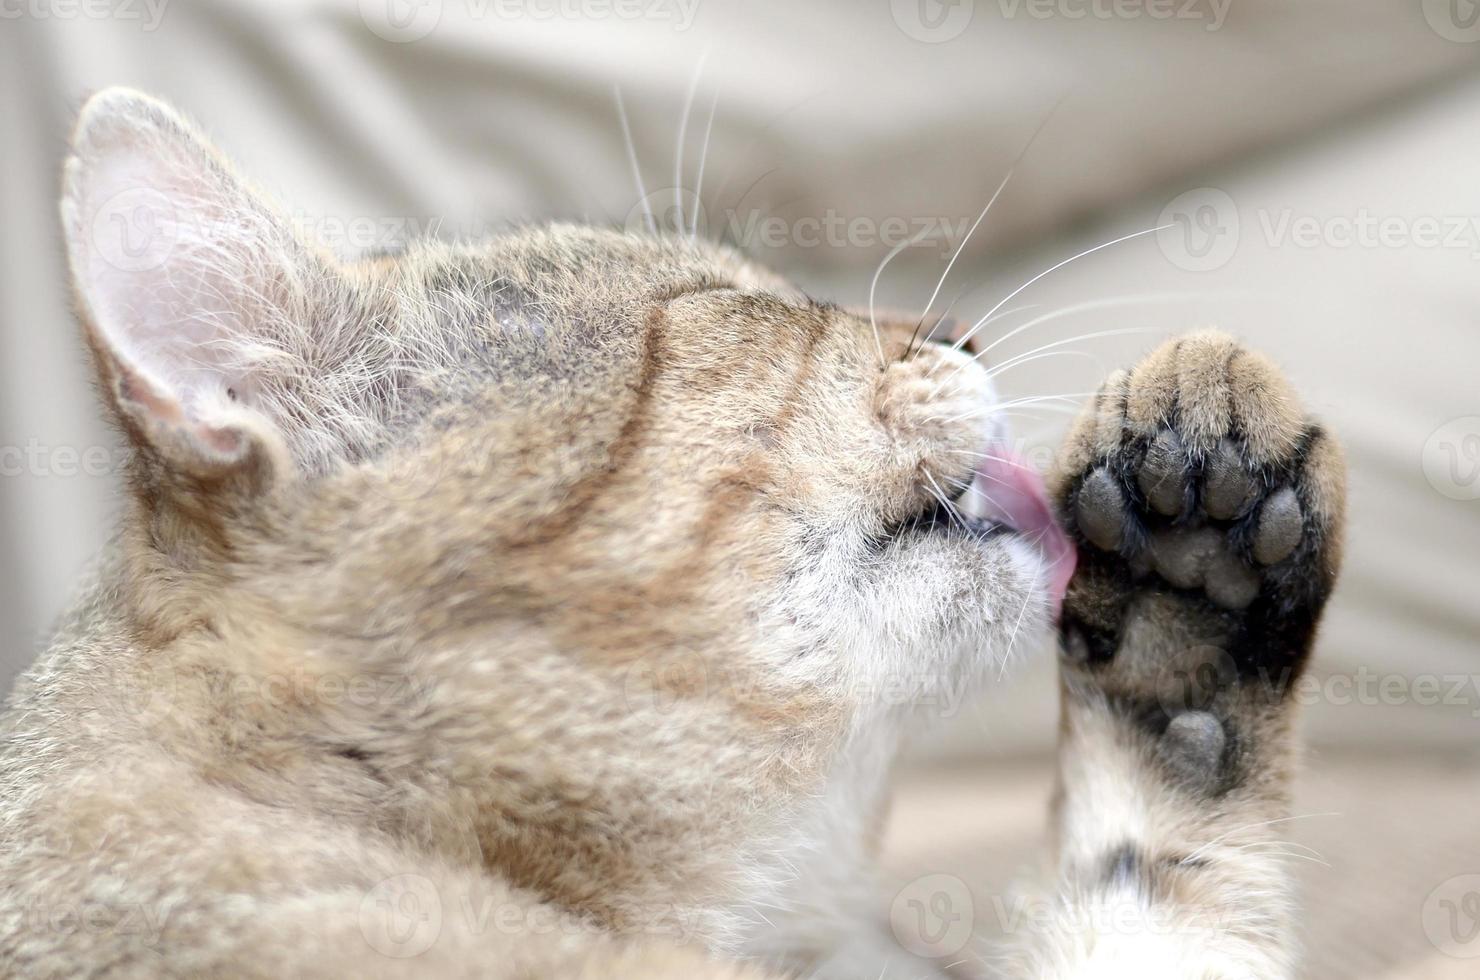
(1293, 125)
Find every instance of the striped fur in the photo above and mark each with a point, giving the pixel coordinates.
(549, 606)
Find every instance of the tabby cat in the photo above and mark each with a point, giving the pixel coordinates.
(554, 606)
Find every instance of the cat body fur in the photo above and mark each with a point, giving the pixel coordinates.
(549, 606)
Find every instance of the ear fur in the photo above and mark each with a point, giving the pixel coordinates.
(189, 285)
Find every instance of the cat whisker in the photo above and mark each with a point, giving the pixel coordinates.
(729, 172)
(940, 283)
(1013, 403)
(1038, 409)
(945, 502)
(1095, 335)
(647, 207)
(699, 179)
(1283, 848)
(874, 285)
(1053, 268)
(921, 322)
(954, 301)
(683, 129)
(1003, 368)
(1199, 851)
(1012, 168)
(1012, 638)
(1000, 316)
(1037, 351)
(1018, 464)
(1097, 304)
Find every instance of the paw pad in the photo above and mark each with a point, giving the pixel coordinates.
(1229, 490)
(1193, 746)
(1101, 510)
(1193, 517)
(1163, 476)
(1279, 528)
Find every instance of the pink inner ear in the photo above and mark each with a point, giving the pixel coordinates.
(187, 279)
(163, 408)
(152, 273)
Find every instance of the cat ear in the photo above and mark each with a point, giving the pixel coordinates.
(187, 282)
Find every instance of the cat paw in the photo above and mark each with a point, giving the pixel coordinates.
(1207, 509)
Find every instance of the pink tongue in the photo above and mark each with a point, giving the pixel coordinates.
(1013, 494)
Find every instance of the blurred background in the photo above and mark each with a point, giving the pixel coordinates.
(1313, 167)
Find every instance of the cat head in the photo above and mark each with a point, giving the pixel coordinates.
(612, 474)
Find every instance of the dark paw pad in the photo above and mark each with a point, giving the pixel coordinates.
(1195, 479)
(1193, 746)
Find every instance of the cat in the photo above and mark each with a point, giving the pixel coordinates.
(554, 606)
